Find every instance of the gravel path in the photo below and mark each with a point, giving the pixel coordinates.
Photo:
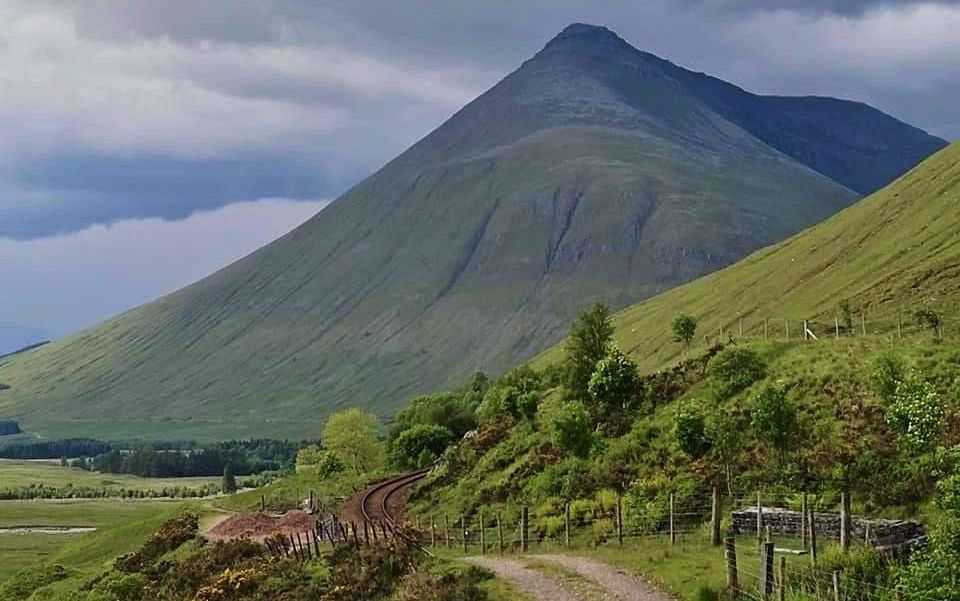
(615, 580)
(531, 582)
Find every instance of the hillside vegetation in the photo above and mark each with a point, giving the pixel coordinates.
(593, 171)
(889, 255)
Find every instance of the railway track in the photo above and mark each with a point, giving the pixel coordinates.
(375, 505)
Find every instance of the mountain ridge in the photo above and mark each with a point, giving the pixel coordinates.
(572, 179)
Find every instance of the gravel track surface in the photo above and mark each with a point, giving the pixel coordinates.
(531, 582)
(624, 586)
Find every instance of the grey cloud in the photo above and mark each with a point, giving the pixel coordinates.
(165, 108)
(56, 284)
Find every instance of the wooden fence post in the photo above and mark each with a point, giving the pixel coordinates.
(759, 518)
(836, 326)
(899, 325)
(765, 328)
(786, 328)
(483, 537)
(863, 321)
(803, 520)
(446, 530)
(366, 532)
(845, 521)
(524, 530)
(619, 520)
(499, 533)
(783, 580)
(673, 528)
(463, 531)
(263, 504)
(813, 537)
(836, 585)
(741, 327)
(566, 525)
(766, 570)
(433, 532)
(715, 518)
(730, 557)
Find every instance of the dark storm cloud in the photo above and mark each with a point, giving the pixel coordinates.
(121, 108)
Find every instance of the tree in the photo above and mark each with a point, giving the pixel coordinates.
(613, 384)
(516, 394)
(691, 431)
(352, 436)
(589, 342)
(229, 482)
(774, 418)
(684, 328)
(887, 370)
(724, 432)
(571, 430)
(419, 445)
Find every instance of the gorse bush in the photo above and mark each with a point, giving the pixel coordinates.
(734, 370)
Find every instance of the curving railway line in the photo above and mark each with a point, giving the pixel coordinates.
(382, 501)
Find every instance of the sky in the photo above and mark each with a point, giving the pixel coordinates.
(145, 144)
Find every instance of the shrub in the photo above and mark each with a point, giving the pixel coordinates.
(571, 430)
(690, 430)
(602, 530)
(734, 370)
(419, 445)
(445, 583)
(774, 418)
(613, 385)
(886, 371)
(583, 511)
(170, 536)
(517, 395)
(916, 413)
(22, 584)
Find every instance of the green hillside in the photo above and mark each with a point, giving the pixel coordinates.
(593, 171)
(853, 422)
(886, 256)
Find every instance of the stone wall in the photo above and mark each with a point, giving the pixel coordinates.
(882, 533)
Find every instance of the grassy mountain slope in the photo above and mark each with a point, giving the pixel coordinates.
(891, 253)
(592, 171)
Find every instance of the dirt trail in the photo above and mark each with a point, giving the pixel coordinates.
(527, 580)
(624, 586)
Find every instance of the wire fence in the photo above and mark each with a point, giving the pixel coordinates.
(781, 554)
(823, 328)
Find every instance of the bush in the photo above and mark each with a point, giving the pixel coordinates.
(774, 418)
(583, 511)
(571, 430)
(419, 445)
(690, 429)
(446, 583)
(517, 395)
(886, 371)
(734, 370)
(916, 413)
(22, 584)
(614, 385)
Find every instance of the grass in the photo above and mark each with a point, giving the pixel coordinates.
(16, 473)
(887, 255)
(121, 524)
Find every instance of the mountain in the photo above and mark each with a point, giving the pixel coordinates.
(885, 257)
(14, 337)
(593, 171)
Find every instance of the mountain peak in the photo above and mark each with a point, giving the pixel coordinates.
(584, 34)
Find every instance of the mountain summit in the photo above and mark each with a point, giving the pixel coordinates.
(593, 171)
